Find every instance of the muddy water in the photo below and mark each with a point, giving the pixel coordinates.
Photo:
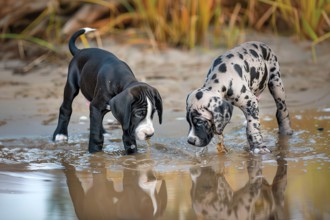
(170, 179)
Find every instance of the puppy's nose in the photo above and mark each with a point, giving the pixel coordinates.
(149, 135)
(192, 140)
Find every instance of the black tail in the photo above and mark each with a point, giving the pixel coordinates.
(72, 46)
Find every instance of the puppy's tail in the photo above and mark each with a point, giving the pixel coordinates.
(72, 45)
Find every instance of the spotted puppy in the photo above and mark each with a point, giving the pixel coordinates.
(237, 78)
(109, 84)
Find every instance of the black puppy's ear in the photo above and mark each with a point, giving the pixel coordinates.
(159, 105)
(120, 106)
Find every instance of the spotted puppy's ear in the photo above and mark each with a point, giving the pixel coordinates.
(121, 106)
(221, 111)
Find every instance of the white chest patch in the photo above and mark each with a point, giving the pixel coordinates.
(145, 128)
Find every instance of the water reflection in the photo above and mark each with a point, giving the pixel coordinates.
(213, 197)
(137, 195)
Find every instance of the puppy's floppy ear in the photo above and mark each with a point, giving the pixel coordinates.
(156, 100)
(159, 105)
(120, 106)
(222, 112)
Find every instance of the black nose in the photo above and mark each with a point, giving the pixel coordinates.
(192, 140)
(149, 135)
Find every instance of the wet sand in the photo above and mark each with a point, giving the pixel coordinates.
(169, 180)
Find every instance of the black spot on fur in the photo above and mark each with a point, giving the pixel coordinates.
(199, 95)
(216, 81)
(210, 88)
(263, 79)
(272, 69)
(217, 62)
(229, 56)
(246, 97)
(280, 106)
(214, 76)
(243, 90)
(254, 75)
(223, 68)
(255, 125)
(268, 55)
(240, 56)
(238, 70)
(246, 66)
(208, 73)
(254, 53)
(264, 52)
(230, 92)
(218, 109)
(223, 89)
(256, 46)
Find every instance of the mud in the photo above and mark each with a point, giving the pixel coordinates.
(169, 179)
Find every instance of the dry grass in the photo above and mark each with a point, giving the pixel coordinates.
(191, 23)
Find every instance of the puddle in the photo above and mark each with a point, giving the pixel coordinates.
(170, 179)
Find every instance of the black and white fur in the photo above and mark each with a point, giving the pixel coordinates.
(237, 78)
(108, 84)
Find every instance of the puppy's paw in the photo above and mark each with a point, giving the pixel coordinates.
(94, 148)
(286, 131)
(260, 150)
(61, 137)
(131, 149)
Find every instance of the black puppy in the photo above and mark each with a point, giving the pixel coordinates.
(109, 84)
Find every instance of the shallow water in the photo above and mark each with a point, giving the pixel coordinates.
(170, 179)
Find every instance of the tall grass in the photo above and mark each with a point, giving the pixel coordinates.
(188, 23)
(308, 18)
(180, 23)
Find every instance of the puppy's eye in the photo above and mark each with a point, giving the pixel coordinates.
(200, 123)
(140, 114)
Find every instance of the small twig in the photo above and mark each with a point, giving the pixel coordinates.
(34, 63)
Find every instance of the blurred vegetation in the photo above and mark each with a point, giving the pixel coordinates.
(182, 23)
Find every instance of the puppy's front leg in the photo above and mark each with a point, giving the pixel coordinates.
(129, 142)
(251, 111)
(96, 138)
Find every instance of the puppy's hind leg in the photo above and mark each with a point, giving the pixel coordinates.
(276, 88)
(71, 90)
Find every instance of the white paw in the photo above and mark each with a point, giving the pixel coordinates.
(261, 150)
(61, 137)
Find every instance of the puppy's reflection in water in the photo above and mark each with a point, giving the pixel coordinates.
(141, 196)
(213, 197)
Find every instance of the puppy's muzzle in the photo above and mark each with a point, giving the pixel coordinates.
(144, 133)
(192, 140)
